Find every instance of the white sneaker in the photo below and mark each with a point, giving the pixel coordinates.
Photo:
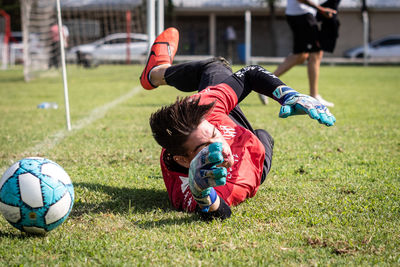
(324, 102)
(263, 98)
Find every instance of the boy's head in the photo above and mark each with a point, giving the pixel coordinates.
(181, 128)
(171, 125)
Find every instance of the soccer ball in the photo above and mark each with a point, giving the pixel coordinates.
(36, 195)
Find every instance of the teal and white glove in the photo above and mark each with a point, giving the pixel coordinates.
(294, 103)
(204, 175)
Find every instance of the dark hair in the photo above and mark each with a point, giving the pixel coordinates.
(171, 125)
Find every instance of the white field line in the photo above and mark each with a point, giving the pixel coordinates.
(96, 114)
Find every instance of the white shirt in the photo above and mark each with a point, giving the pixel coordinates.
(295, 8)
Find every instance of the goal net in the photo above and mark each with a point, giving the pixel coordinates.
(94, 31)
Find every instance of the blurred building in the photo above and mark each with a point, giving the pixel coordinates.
(273, 37)
(202, 23)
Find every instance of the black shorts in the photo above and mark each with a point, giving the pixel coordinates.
(329, 31)
(305, 33)
(328, 34)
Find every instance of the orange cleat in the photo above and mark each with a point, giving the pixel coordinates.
(162, 52)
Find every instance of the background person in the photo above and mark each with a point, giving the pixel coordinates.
(230, 39)
(55, 56)
(300, 15)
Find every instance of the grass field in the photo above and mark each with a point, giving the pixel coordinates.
(332, 197)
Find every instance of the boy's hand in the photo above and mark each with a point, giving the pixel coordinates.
(294, 103)
(204, 173)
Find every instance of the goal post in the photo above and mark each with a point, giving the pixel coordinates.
(61, 37)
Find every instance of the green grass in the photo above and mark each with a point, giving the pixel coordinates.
(331, 198)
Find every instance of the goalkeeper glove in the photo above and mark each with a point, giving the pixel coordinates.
(204, 175)
(294, 103)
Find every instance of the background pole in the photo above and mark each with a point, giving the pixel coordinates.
(64, 69)
(150, 22)
(247, 37)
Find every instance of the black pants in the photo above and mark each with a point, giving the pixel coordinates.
(198, 75)
(55, 56)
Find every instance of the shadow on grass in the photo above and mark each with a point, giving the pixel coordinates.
(13, 79)
(11, 235)
(130, 200)
(20, 235)
(124, 200)
(149, 224)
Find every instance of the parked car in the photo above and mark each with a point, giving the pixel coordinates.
(15, 48)
(388, 46)
(111, 48)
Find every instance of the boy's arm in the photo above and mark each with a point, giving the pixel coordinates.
(223, 211)
(256, 78)
(204, 175)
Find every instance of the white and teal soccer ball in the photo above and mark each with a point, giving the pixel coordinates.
(36, 195)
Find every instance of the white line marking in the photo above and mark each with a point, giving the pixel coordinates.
(96, 114)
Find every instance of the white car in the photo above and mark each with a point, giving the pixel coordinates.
(16, 47)
(388, 47)
(112, 48)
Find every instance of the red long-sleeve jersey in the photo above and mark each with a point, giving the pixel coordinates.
(244, 176)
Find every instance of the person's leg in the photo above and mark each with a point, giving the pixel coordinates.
(197, 75)
(310, 33)
(54, 52)
(161, 54)
(264, 99)
(291, 61)
(157, 75)
(313, 68)
(313, 65)
(300, 28)
(214, 73)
